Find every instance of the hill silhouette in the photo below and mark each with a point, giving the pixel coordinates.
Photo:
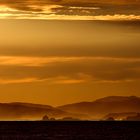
(95, 110)
(19, 111)
(101, 107)
(29, 111)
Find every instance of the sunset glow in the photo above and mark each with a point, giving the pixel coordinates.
(62, 12)
(58, 52)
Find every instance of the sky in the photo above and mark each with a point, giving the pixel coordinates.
(70, 9)
(58, 52)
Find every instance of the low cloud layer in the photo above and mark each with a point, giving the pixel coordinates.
(43, 61)
(68, 70)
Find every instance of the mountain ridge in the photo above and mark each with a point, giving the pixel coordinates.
(101, 107)
(96, 109)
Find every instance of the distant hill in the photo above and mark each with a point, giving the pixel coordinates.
(101, 107)
(114, 105)
(28, 111)
(133, 118)
(23, 111)
(120, 116)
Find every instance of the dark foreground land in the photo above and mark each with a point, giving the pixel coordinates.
(69, 130)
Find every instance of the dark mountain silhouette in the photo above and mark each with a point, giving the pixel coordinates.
(28, 111)
(83, 110)
(101, 107)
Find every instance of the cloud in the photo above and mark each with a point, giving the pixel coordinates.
(64, 80)
(19, 81)
(70, 17)
(42, 61)
(68, 70)
(69, 10)
(49, 14)
(114, 81)
(81, 78)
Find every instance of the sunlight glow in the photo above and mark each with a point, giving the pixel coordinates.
(47, 13)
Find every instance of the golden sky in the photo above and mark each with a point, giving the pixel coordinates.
(71, 59)
(70, 9)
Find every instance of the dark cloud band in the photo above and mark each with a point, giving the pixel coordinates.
(25, 8)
